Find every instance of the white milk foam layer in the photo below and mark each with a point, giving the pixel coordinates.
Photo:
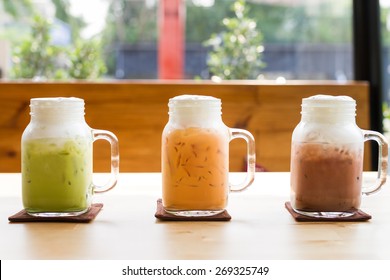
(322, 100)
(329, 107)
(194, 100)
(328, 119)
(194, 109)
(56, 107)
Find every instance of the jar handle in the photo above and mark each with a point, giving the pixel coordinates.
(251, 158)
(382, 160)
(113, 140)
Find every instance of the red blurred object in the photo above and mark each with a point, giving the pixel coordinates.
(171, 39)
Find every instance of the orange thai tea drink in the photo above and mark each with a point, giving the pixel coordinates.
(195, 157)
(196, 163)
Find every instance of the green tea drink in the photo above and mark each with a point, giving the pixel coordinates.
(56, 175)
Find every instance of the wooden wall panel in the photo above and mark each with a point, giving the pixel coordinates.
(137, 111)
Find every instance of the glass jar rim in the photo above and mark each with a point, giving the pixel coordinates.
(328, 101)
(55, 101)
(56, 107)
(191, 100)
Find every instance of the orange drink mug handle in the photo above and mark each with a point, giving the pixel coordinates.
(251, 158)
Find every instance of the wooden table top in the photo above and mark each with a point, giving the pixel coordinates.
(261, 227)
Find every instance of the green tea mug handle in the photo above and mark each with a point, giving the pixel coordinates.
(250, 160)
(113, 140)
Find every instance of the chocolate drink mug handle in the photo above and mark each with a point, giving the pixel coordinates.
(382, 162)
(251, 158)
(99, 134)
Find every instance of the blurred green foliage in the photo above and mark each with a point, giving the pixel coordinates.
(17, 8)
(86, 60)
(237, 51)
(62, 12)
(135, 21)
(37, 58)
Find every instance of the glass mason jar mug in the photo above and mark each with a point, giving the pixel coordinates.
(195, 157)
(327, 158)
(57, 158)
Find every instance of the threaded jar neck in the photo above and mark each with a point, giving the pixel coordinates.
(54, 109)
(327, 108)
(194, 109)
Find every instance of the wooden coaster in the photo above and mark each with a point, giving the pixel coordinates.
(359, 216)
(164, 216)
(23, 217)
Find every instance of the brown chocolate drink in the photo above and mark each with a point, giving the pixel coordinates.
(326, 177)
